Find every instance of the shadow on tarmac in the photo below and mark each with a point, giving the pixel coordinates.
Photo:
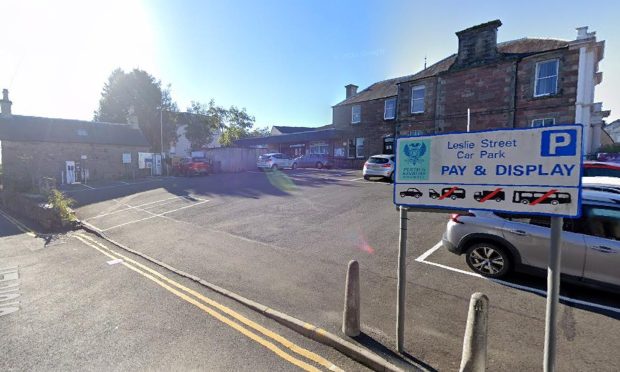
(405, 359)
(246, 185)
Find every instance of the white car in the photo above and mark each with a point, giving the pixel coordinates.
(275, 160)
(379, 166)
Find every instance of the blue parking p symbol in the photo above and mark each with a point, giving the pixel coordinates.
(559, 143)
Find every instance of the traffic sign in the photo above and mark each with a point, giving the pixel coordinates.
(524, 170)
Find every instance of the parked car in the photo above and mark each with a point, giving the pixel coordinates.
(275, 160)
(192, 167)
(314, 161)
(601, 168)
(496, 243)
(412, 191)
(610, 184)
(379, 166)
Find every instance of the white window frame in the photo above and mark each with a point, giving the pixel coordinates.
(359, 114)
(557, 77)
(543, 122)
(422, 88)
(385, 108)
(357, 147)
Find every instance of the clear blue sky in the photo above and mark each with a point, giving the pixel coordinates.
(286, 61)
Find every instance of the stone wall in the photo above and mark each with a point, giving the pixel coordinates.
(500, 94)
(24, 163)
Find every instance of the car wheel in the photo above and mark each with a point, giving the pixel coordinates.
(319, 165)
(274, 167)
(293, 166)
(525, 201)
(417, 196)
(453, 197)
(392, 177)
(554, 202)
(488, 259)
(498, 199)
(367, 178)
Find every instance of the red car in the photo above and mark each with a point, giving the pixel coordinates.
(600, 168)
(192, 167)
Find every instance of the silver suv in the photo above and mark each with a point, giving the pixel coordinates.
(496, 243)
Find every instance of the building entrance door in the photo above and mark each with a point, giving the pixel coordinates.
(70, 172)
(388, 145)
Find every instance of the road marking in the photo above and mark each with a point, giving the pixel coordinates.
(356, 179)
(429, 252)
(23, 228)
(85, 185)
(153, 215)
(425, 255)
(131, 207)
(276, 337)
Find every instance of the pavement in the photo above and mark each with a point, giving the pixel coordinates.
(285, 238)
(75, 302)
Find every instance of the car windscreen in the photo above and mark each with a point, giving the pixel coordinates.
(378, 160)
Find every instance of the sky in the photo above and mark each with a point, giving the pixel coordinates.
(286, 62)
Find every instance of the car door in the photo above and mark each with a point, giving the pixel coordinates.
(530, 235)
(601, 227)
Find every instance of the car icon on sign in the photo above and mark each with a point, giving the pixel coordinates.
(412, 191)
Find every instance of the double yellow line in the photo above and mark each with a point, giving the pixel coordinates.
(234, 319)
(23, 228)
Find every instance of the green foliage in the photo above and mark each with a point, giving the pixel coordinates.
(205, 121)
(238, 125)
(613, 148)
(61, 205)
(143, 92)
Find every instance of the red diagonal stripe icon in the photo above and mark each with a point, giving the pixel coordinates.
(448, 193)
(547, 194)
(491, 195)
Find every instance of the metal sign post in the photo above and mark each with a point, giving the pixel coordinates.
(525, 170)
(553, 292)
(402, 280)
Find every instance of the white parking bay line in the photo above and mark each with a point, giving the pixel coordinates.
(132, 207)
(154, 215)
(425, 255)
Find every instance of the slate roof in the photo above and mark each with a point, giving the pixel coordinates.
(38, 129)
(314, 135)
(389, 88)
(286, 130)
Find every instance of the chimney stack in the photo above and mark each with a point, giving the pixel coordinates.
(351, 90)
(478, 45)
(5, 104)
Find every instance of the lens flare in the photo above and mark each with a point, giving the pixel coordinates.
(280, 180)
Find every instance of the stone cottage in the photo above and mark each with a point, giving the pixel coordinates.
(67, 151)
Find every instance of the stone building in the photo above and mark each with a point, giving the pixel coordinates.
(519, 83)
(67, 151)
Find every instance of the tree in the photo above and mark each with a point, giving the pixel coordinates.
(238, 124)
(205, 120)
(141, 91)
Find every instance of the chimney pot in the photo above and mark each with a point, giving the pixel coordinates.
(351, 90)
(5, 103)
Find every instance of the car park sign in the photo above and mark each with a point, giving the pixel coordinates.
(529, 170)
